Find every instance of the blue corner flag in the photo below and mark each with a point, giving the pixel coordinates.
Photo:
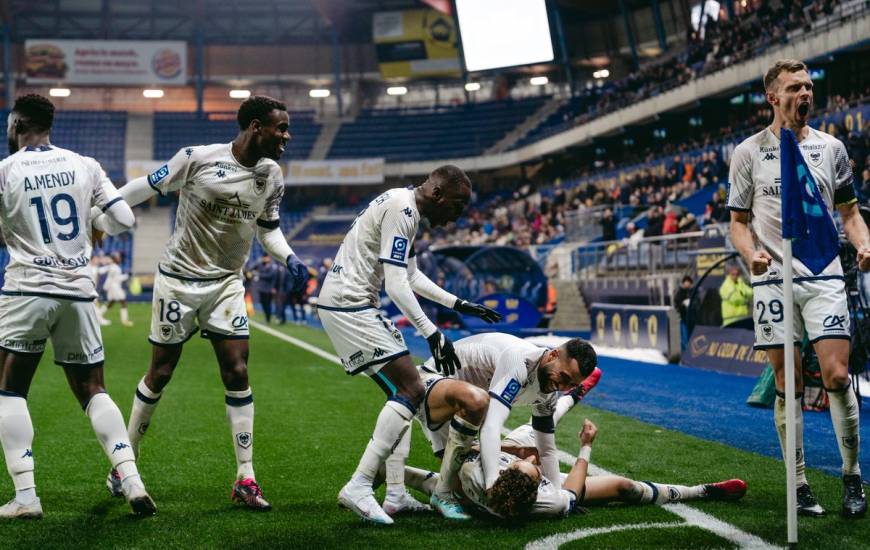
(805, 218)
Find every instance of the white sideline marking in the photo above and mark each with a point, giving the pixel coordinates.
(693, 516)
(297, 342)
(555, 541)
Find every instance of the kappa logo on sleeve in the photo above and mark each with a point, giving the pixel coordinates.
(158, 175)
(509, 393)
(400, 249)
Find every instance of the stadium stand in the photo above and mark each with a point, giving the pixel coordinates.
(722, 44)
(406, 134)
(91, 133)
(172, 131)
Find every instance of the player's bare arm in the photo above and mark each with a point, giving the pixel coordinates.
(857, 233)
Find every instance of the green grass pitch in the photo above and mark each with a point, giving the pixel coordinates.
(312, 423)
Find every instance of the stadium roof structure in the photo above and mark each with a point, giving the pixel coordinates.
(247, 22)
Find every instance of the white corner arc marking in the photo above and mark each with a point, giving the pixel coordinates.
(555, 541)
(692, 516)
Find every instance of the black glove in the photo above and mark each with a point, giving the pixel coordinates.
(298, 273)
(470, 308)
(446, 361)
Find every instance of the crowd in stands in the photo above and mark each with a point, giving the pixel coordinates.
(722, 43)
(537, 214)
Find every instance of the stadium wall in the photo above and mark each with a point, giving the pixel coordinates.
(854, 32)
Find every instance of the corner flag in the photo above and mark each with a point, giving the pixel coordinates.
(805, 218)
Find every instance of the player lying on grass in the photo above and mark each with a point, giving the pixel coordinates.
(521, 490)
(512, 371)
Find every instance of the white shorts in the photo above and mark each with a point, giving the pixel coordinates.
(27, 322)
(820, 309)
(116, 294)
(181, 307)
(364, 338)
(521, 436)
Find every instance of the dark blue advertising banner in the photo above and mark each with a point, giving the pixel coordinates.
(516, 313)
(724, 350)
(633, 326)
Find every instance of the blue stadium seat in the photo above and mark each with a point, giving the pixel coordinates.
(172, 131)
(407, 134)
(98, 134)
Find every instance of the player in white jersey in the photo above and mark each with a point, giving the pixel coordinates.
(521, 490)
(378, 250)
(512, 371)
(229, 192)
(46, 194)
(114, 287)
(820, 299)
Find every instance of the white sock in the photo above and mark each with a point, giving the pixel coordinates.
(421, 480)
(25, 496)
(109, 426)
(844, 417)
(240, 415)
(393, 420)
(144, 403)
(124, 315)
(460, 437)
(779, 419)
(659, 493)
(395, 467)
(16, 436)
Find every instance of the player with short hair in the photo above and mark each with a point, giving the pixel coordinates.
(46, 194)
(229, 192)
(378, 250)
(521, 490)
(114, 286)
(512, 371)
(820, 299)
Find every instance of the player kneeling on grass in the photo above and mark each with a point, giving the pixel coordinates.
(521, 490)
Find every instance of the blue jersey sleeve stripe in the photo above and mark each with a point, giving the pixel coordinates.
(501, 399)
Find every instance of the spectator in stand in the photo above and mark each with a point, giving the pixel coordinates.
(655, 223)
(681, 303)
(266, 284)
(736, 296)
(608, 226)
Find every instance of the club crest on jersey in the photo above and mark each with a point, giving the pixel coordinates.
(244, 439)
(398, 337)
(509, 393)
(815, 158)
(259, 186)
(165, 331)
(767, 332)
(158, 175)
(400, 248)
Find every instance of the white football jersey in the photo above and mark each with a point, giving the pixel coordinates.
(507, 367)
(219, 204)
(551, 502)
(382, 233)
(46, 196)
(115, 277)
(755, 187)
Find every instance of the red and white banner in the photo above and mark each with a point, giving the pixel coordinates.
(106, 62)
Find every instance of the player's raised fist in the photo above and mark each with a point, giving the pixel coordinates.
(760, 262)
(588, 433)
(863, 258)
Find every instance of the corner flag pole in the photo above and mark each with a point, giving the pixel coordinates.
(788, 368)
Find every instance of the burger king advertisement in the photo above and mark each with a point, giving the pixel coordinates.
(106, 62)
